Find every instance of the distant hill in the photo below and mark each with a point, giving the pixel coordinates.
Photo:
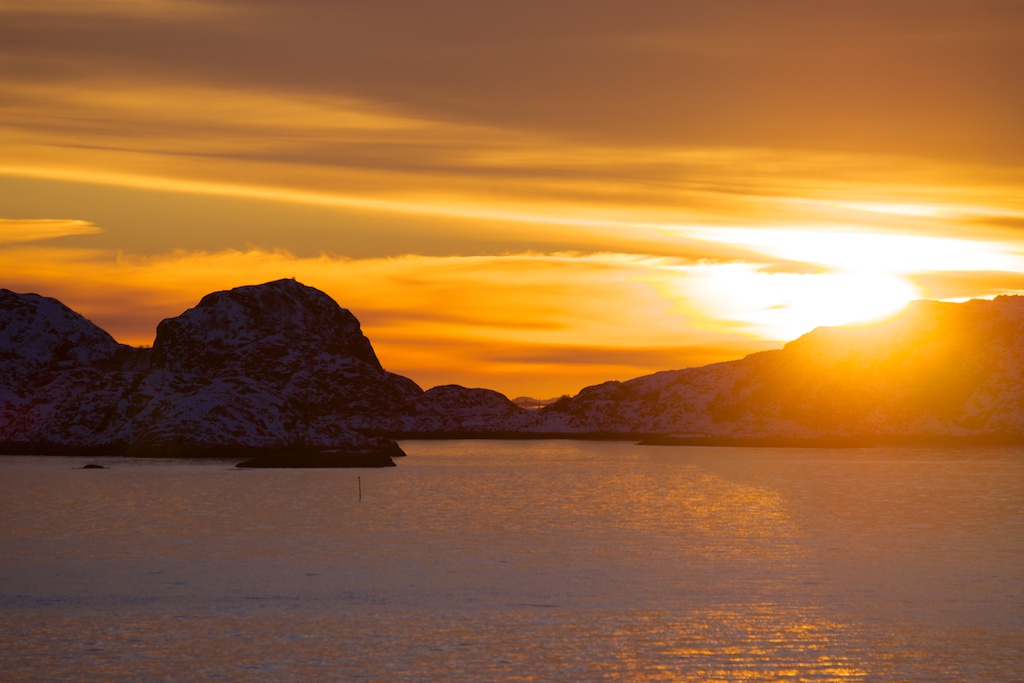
(938, 371)
(530, 402)
(280, 367)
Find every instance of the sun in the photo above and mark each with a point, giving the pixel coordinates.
(857, 251)
(750, 300)
(794, 304)
(797, 279)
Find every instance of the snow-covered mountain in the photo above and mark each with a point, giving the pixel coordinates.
(938, 370)
(280, 367)
(452, 410)
(256, 369)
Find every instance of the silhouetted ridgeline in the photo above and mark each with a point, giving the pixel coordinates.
(281, 368)
(255, 370)
(938, 371)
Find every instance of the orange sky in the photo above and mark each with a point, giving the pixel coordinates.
(527, 196)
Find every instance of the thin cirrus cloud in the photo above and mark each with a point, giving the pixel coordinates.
(362, 104)
(354, 154)
(130, 8)
(34, 230)
(797, 73)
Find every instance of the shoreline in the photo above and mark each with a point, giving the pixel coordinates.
(647, 439)
(640, 439)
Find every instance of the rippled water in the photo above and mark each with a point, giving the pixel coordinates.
(519, 561)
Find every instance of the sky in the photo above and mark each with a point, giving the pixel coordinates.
(526, 196)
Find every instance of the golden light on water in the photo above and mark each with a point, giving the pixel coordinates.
(759, 642)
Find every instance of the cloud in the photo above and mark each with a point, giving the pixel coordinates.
(959, 285)
(626, 357)
(870, 251)
(1015, 223)
(878, 77)
(17, 231)
(127, 8)
(359, 154)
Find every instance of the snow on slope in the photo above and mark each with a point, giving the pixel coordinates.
(276, 366)
(939, 369)
(281, 366)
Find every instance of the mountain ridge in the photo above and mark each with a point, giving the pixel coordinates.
(255, 370)
(938, 370)
(281, 367)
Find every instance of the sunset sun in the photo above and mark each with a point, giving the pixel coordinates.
(784, 305)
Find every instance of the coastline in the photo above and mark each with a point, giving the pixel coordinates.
(640, 439)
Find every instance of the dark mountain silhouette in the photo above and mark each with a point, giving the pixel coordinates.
(270, 368)
(281, 368)
(939, 371)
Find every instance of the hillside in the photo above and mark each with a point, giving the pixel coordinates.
(270, 368)
(280, 367)
(937, 370)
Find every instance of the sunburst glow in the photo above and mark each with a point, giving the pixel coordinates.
(920, 210)
(870, 251)
(746, 299)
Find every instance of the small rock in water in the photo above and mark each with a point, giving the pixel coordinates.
(93, 466)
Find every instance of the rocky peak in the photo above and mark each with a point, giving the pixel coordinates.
(273, 368)
(281, 323)
(39, 330)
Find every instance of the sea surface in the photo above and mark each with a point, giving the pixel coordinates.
(519, 561)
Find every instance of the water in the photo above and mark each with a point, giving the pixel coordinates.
(519, 561)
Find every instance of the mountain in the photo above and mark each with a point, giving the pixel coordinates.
(262, 369)
(938, 371)
(456, 411)
(59, 376)
(272, 366)
(281, 368)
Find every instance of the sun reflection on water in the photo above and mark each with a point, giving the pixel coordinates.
(554, 561)
(761, 642)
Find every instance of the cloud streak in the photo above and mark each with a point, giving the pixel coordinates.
(352, 154)
(795, 74)
(20, 231)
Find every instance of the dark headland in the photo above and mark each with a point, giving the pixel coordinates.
(279, 375)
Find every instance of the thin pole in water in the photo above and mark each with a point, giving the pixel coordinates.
(359, 481)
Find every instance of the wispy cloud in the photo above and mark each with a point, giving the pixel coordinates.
(834, 76)
(872, 251)
(359, 153)
(129, 8)
(14, 231)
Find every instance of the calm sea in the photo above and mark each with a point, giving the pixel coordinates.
(519, 561)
